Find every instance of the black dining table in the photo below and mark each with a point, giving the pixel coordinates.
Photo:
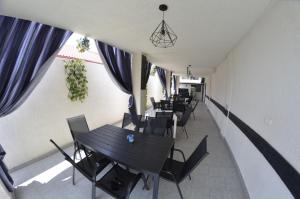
(146, 154)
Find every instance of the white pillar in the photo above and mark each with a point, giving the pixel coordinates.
(136, 79)
(177, 83)
(143, 101)
(168, 76)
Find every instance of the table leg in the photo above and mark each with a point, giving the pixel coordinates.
(172, 152)
(175, 125)
(155, 186)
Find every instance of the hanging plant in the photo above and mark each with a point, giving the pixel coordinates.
(75, 71)
(76, 79)
(83, 44)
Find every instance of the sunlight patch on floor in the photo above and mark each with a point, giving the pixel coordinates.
(51, 173)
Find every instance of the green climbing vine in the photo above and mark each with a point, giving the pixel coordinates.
(75, 71)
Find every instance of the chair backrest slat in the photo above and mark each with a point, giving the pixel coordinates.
(67, 157)
(185, 117)
(168, 115)
(194, 160)
(155, 126)
(70, 160)
(127, 119)
(135, 118)
(77, 125)
(178, 107)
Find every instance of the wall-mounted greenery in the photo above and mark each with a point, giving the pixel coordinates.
(75, 71)
(76, 79)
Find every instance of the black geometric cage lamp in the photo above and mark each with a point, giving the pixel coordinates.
(163, 36)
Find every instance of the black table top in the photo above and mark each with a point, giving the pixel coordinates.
(148, 152)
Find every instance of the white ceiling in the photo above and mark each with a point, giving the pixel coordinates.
(207, 29)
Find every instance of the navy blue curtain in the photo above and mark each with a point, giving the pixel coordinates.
(175, 83)
(149, 66)
(118, 64)
(145, 72)
(162, 76)
(131, 104)
(4, 175)
(25, 46)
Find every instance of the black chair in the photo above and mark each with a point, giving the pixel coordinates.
(119, 182)
(155, 105)
(195, 106)
(190, 99)
(155, 126)
(176, 171)
(179, 107)
(184, 119)
(175, 97)
(136, 119)
(166, 114)
(169, 117)
(78, 125)
(4, 173)
(127, 119)
(88, 166)
(165, 105)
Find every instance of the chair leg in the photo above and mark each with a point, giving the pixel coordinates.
(185, 132)
(179, 190)
(147, 179)
(145, 182)
(93, 190)
(80, 155)
(73, 175)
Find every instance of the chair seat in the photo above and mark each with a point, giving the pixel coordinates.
(100, 159)
(88, 164)
(173, 166)
(118, 182)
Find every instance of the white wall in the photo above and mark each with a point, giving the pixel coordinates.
(154, 89)
(259, 82)
(25, 133)
(136, 81)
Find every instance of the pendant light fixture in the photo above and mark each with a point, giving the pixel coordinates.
(189, 74)
(163, 36)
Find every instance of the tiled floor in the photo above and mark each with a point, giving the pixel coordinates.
(215, 178)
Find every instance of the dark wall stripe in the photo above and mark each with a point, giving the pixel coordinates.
(222, 108)
(288, 174)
